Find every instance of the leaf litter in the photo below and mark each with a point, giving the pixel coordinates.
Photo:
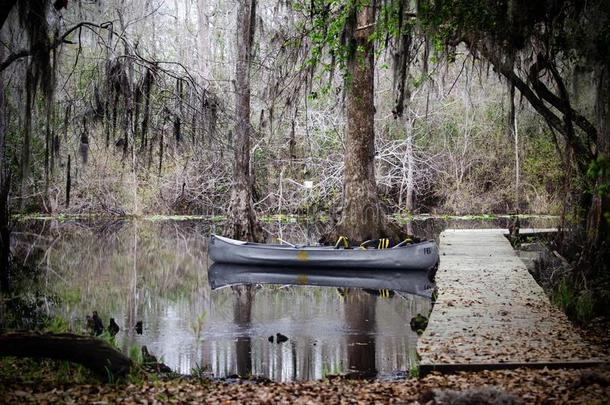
(588, 386)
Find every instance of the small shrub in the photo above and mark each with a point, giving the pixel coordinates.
(57, 325)
(200, 371)
(585, 307)
(579, 306)
(135, 354)
(414, 371)
(565, 298)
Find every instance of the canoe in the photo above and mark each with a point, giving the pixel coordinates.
(412, 282)
(416, 256)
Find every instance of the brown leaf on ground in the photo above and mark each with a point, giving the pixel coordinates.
(519, 386)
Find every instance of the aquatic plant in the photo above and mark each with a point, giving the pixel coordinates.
(197, 325)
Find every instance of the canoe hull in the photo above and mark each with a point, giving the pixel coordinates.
(418, 256)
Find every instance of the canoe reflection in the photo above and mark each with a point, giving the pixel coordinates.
(412, 282)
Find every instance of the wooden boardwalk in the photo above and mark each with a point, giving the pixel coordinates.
(490, 313)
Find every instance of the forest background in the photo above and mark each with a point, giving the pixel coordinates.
(135, 112)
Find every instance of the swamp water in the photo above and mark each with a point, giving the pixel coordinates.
(156, 272)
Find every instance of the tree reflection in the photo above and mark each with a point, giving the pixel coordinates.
(243, 296)
(360, 320)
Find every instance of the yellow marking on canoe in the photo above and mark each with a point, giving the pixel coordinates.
(303, 256)
(302, 279)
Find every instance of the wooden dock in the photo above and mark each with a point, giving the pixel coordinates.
(490, 313)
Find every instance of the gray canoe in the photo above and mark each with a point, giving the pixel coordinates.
(417, 256)
(412, 282)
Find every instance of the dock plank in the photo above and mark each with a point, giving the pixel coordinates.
(490, 311)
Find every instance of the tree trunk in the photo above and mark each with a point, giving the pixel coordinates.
(161, 142)
(5, 230)
(50, 99)
(84, 144)
(94, 354)
(47, 143)
(127, 128)
(512, 125)
(203, 40)
(128, 92)
(409, 200)
(210, 115)
(292, 144)
(243, 224)
(136, 118)
(598, 227)
(31, 81)
(57, 143)
(115, 106)
(148, 81)
(108, 92)
(178, 113)
(68, 183)
(362, 216)
(193, 100)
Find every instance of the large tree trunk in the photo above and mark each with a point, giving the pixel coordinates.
(242, 221)
(47, 143)
(512, 125)
(203, 40)
(94, 354)
(31, 81)
(362, 217)
(410, 161)
(204, 47)
(127, 125)
(178, 112)
(148, 82)
(5, 230)
(598, 228)
(109, 94)
(128, 92)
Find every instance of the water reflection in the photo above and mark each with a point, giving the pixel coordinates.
(415, 282)
(242, 316)
(157, 273)
(360, 312)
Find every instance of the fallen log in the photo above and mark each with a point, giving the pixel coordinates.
(95, 354)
